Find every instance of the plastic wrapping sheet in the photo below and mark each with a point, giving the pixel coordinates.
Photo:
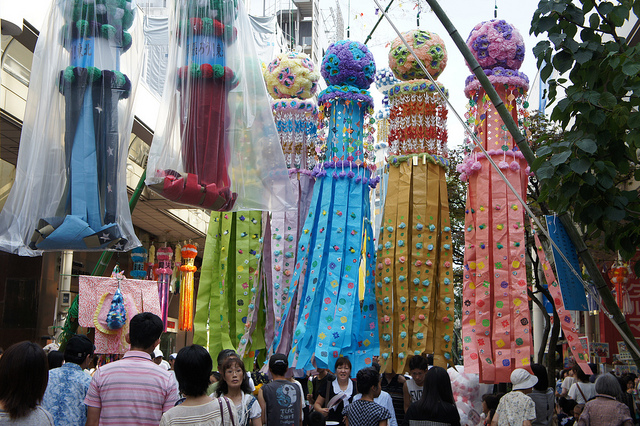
(70, 191)
(216, 146)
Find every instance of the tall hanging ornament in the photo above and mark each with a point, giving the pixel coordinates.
(217, 146)
(495, 319)
(164, 271)
(70, 188)
(337, 240)
(185, 317)
(139, 258)
(414, 275)
(292, 81)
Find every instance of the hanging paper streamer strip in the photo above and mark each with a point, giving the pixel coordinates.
(333, 240)
(568, 326)
(185, 318)
(495, 320)
(164, 271)
(573, 294)
(228, 281)
(414, 279)
(139, 257)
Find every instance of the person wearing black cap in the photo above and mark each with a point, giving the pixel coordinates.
(68, 385)
(280, 399)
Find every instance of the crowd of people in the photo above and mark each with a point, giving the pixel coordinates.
(186, 391)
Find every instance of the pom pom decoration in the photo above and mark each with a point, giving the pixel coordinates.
(348, 63)
(496, 43)
(291, 75)
(385, 79)
(427, 45)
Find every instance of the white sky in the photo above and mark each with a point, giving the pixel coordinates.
(464, 14)
(360, 16)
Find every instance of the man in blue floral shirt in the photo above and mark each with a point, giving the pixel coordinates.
(68, 385)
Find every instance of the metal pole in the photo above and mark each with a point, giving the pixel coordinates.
(386, 9)
(615, 315)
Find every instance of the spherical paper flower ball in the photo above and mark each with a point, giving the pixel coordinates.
(291, 75)
(427, 45)
(496, 43)
(348, 63)
(384, 80)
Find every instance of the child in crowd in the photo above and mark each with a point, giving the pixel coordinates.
(365, 412)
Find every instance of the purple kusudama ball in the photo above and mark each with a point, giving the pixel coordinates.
(496, 43)
(348, 63)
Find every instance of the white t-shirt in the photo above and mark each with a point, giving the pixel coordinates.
(588, 389)
(567, 382)
(249, 406)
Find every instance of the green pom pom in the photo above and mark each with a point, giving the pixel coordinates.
(127, 19)
(69, 76)
(76, 11)
(194, 70)
(82, 26)
(108, 31)
(93, 74)
(218, 71)
(88, 11)
(120, 78)
(207, 26)
(126, 40)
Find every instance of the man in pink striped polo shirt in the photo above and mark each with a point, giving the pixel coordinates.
(133, 390)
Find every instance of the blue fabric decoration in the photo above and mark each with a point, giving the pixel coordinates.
(117, 315)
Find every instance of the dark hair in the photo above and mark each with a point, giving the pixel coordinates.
(376, 366)
(492, 402)
(540, 372)
(343, 360)
(77, 349)
(193, 365)
(24, 376)
(418, 362)
(366, 379)
(317, 419)
(567, 405)
(436, 392)
(580, 375)
(223, 386)
(55, 359)
(224, 354)
(144, 329)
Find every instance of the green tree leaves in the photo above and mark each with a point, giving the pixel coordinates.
(588, 168)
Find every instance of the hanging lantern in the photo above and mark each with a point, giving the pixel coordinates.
(164, 271)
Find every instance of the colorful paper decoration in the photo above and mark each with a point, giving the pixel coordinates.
(185, 315)
(70, 191)
(95, 296)
(139, 258)
(229, 282)
(414, 277)
(495, 318)
(337, 240)
(573, 294)
(164, 271)
(566, 322)
(217, 147)
(291, 79)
